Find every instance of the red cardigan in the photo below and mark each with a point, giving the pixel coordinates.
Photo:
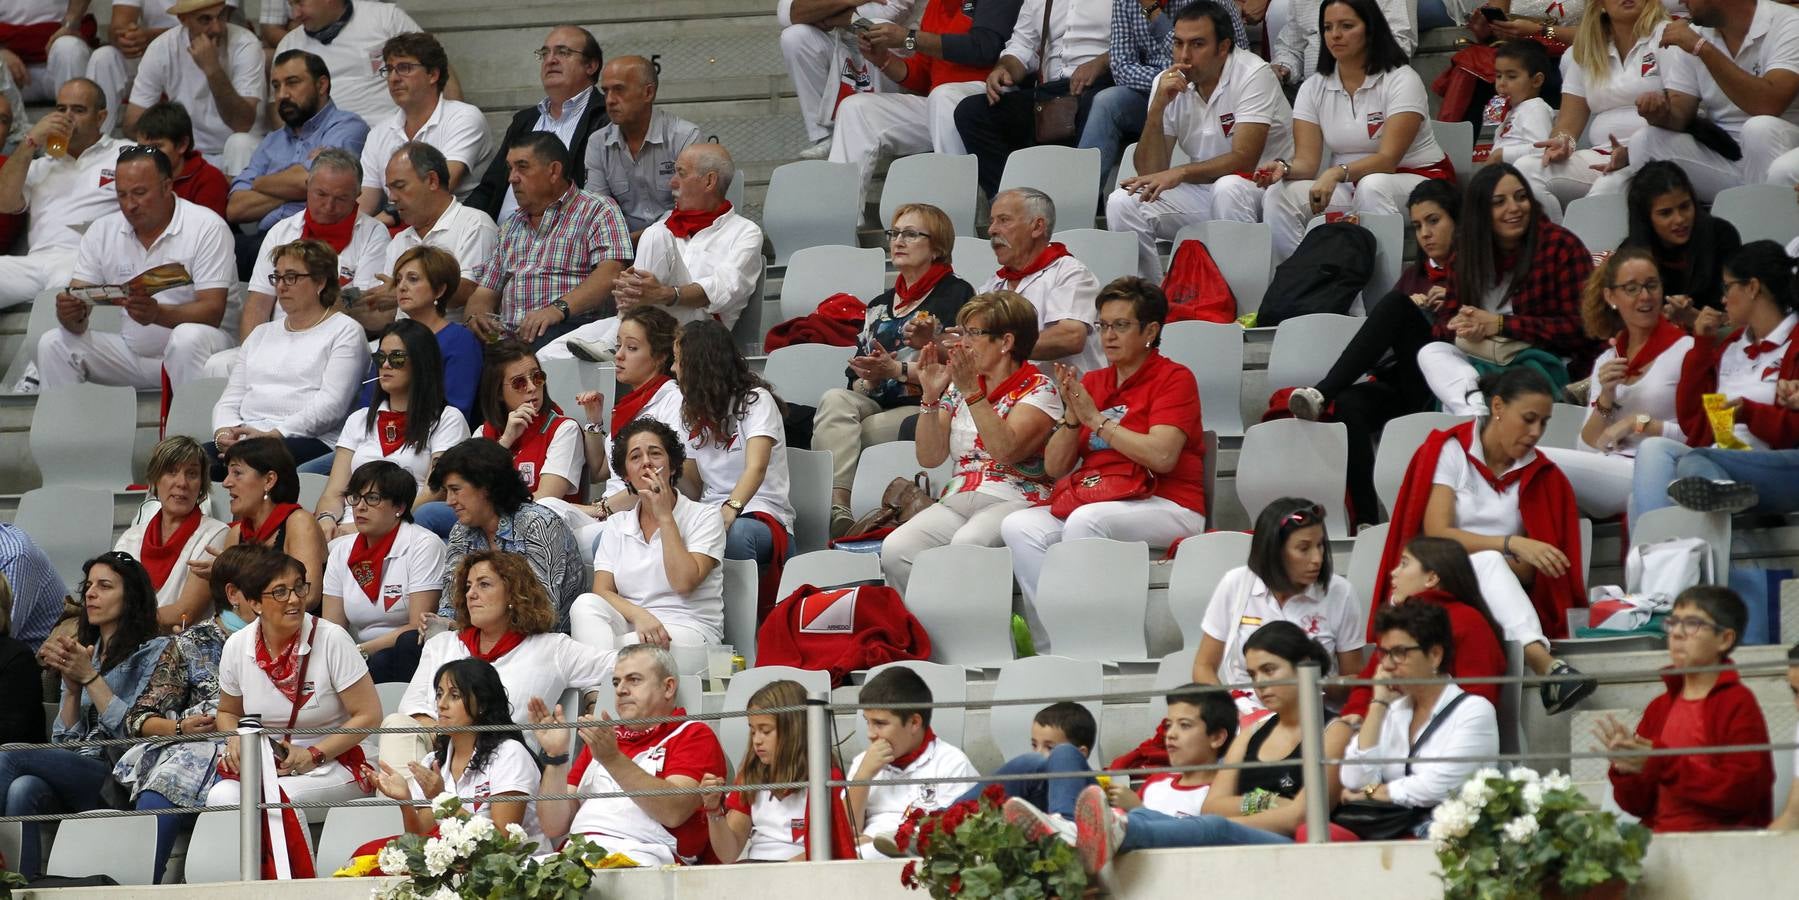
(1478, 653)
(1704, 792)
(1775, 424)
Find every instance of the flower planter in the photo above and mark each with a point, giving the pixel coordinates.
(1611, 890)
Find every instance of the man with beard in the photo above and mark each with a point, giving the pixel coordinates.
(273, 186)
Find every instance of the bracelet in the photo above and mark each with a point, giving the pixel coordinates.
(594, 428)
(972, 399)
(1345, 168)
(1549, 32)
(557, 760)
(605, 511)
(1375, 700)
(91, 679)
(1505, 548)
(177, 727)
(325, 515)
(1258, 800)
(1699, 46)
(932, 406)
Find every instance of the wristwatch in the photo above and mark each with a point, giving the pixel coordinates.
(912, 39)
(318, 756)
(562, 307)
(734, 503)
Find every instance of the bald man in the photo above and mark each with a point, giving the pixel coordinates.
(632, 159)
(701, 260)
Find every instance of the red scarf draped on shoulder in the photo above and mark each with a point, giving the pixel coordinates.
(367, 562)
(249, 534)
(685, 223)
(337, 236)
(908, 294)
(1545, 502)
(1665, 335)
(631, 405)
(159, 556)
(471, 638)
(1056, 250)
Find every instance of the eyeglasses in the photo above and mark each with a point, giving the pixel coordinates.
(1400, 653)
(404, 70)
(1688, 624)
(518, 382)
(1733, 282)
(281, 594)
(558, 52)
(288, 278)
(1635, 289)
(1120, 327)
(896, 235)
(391, 358)
(371, 499)
(1300, 518)
(979, 332)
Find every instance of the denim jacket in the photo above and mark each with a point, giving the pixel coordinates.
(126, 680)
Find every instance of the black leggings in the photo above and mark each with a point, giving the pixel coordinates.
(1387, 348)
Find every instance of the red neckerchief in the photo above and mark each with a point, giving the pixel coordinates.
(637, 739)
(685, 223)
(390, 430)
(930, 737)
(471, 638)
(337, 236)
(1436, 273)
(283, 670)
(912, 293)
(628, 407)
(532, 447)
(159, 556)
(1499, 483)
(1758, 348)
(248, 534)
(1012, 383)
(1663, 337)
(1050, 254)
(367, 560)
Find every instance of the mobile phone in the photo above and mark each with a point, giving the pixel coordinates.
(860, 25)
(1494, 13)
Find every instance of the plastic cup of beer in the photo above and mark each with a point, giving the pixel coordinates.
(57, 144)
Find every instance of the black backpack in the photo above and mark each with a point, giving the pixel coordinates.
(1331, 265)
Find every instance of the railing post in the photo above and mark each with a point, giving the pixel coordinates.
(1311, 753)
(249, 774)
(818, 773)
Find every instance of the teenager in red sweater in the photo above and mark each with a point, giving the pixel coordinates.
(1705, 791)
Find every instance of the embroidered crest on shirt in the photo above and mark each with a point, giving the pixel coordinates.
(829, 612)
(1648, 63)
(528, 472)
(797, 826)
(651, 760)
(345, 275)
(363, 572)
(1226, 122)
(1375, 121)
(107, 177)
(390, 433)
(1314, 624)
(391, 595)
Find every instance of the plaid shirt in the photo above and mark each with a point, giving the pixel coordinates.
(531, 267)
(1546, 307)
(1140, 47)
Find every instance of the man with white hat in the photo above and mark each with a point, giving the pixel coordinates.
(213, 68)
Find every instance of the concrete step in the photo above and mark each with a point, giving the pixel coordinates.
(600, 16)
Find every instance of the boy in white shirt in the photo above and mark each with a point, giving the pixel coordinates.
(1526, 80)
(901, 745)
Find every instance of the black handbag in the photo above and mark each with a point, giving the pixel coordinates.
(1384, 820)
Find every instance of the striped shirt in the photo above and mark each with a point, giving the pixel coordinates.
(533, 266)
(1139, 47)
(37, 591)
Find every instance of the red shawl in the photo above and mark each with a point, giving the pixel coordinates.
(1665, 335)
(159, 556)
(1771, 422)
(631, 405)
(1545, 501)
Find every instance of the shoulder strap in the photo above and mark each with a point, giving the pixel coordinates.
(300, 682)
(1043, 45)
(1431, 728)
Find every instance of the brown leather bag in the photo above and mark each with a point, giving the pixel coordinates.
(1054, 115)
(903, 499)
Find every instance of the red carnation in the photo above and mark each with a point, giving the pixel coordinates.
(914, 814)
(926, 826)
(994, 793)
(955, 885)
(952, 818)
(924, 844)
(903, 836)
(909, 874)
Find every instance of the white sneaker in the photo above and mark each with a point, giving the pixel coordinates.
(1306, 403)
(818, 149)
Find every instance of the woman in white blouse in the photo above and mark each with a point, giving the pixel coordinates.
(656, 575)
(383, 578)
(1613, 62)
(407, 421)
(1366, 108)
(180, 530)
(1422, 721)
(1635, 380)
(295, 377)
(1288, 578)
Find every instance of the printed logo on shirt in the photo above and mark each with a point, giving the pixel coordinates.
(391, 595)
(666, 168)
(829, 612)
(1314, 624)
(375, 61)
(481, 792)
(1648, 63)
(528, 472)
(1375, 121)
(968, 8)
(107, 177)
(1250, 621)
(797, 827)
(651, 760)
(1226, 122)
(345, 275)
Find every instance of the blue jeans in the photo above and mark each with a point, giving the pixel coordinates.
(436, 517)
(1115, 119)
(1052, 795)
(1775, 474)
(1657, 460)
(319, 466)
(750, 538)
(167, 827)
(36, 782)
(1146, 829)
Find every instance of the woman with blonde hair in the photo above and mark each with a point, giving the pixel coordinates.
(990, 411)
(179, 530)
(884, 387)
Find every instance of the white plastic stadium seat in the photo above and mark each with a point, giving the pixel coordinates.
(212, 849)
(1244, 253)
(1399, 441)
(974, 260)
(802, 373)
(1601, 221)
(1294, 458)
(1046, 677)
(734, 731)
(70, 524)
(1305, 348)
(124, 848)
(946, 181)
(1680, 522)
(190, 410)
(741, 585)
(1457, 141)
(1563, 430)
(962, 595)
(1199, 565)
(818, 272)
(880, 464)
(1093, 599)
(829, 568)
(1759, 211)
(351, 826)
(1070, 177)
(948, 684)
(1213, 351)
(811, 203)
(1362, 568)
(1127, 164)
(1110, 254)
(82, 434)
(810, 476)
(1174, 670)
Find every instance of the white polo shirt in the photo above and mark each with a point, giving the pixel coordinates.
(1772, 43)
(1064, 289)
(1165, 794)
(414, 563)
(1079, 33)
(1652, 394)
(365, 446)
(168, 72)
(357, 266)
(1740, 377)
(724, 258)
(1243, 603)
(664, 407)
(1612, 99)
(196, 238)
(1479, 508)
(354, 57)
(721, 467)
(1527, 124)
(543, 666)
(1353, 126)
(510, 769)
(1247, 93)
(457, 129)
(66, 195)
(336, 666)
(777, 827)
(887, 806)
(639, 576)
(467, 233)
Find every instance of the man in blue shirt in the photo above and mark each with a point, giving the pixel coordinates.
(273, 186)
(37, 591)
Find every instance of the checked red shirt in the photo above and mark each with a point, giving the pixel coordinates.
(533, 266)
(1546, 307)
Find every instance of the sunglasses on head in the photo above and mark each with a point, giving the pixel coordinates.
(1302, 518)
(136, 150)
(518, 382)
(393, 358)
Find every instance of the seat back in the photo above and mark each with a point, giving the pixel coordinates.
(1045, 677)
(946, 181)
(1601, 221)
(1213, 351)
(1110, 254)
(123, 848)
(975, 262)
(1244, 254)
(818, 272)
(391, 693)
(1069, 176)
(1093, 598)
(1199, 564)
(1399, 441)
(40, 318)
(1127, 164)
(811, 203)
(747, 331)
(1305, 348)
(312, 486)
(734, 731)
(948, 684)
(1295, 458)
(83, 434)
(1563, 430)
(828, 568)
(1363, 570)
(880, 464)
(212, 856)
(1172, 671)
(741, 583)
(802, 373)
(809, 474)
(1759, 212)
(1457, 141)
(70, 524)
(962, 595)
(351, 826)
(190, 410)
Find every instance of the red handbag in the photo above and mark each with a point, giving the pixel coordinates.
(1108, 477)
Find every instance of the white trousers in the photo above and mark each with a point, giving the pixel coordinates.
(900, 124)
(103, 357)
(1558, 185)
(1601, 480)
(113, 72)
(811, 57)
(968, 518)
(1775, 155)
(1288, 205)
(67, 58)
(22, 278)
(593, 621)
(1030, 532)
(1452, 378)
(331, 783)
(1232, 198)
(1506, 599)
(1709, 172)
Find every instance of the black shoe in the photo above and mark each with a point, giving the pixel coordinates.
(1561, 696)
(1706, 495)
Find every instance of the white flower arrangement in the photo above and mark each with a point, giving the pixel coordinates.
(1508, 836)
(470, 858)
